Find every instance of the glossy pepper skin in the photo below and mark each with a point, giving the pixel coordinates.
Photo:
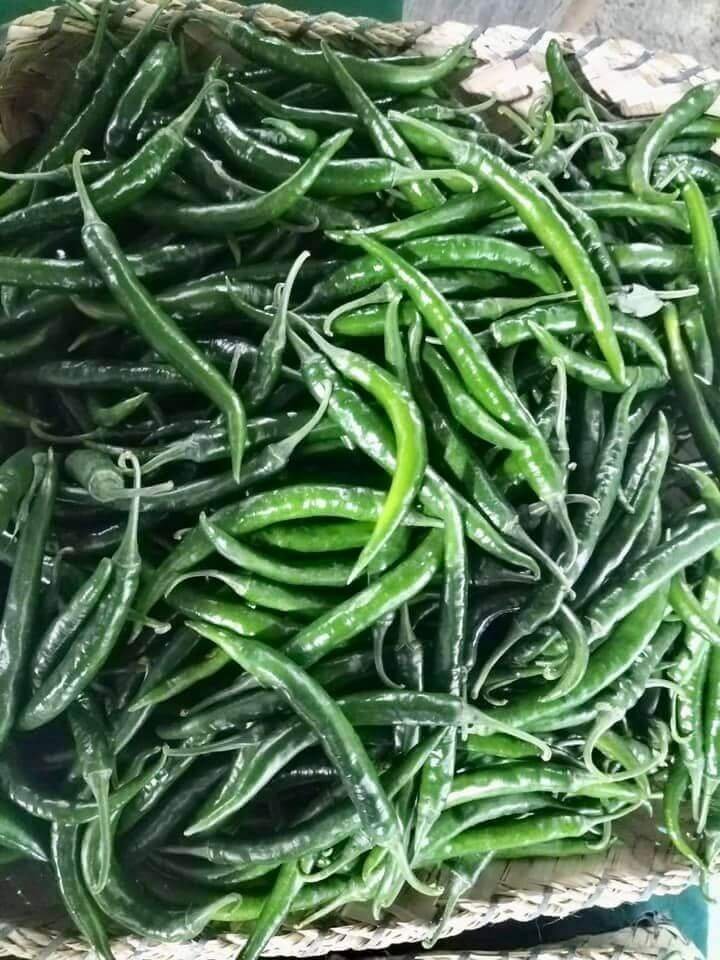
(450, 595)
(156, 326)
(21, 600)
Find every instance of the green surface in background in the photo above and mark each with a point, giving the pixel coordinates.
(382, 9)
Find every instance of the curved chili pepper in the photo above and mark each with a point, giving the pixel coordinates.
(94, 642)
(660, 132)
(548, 226)
(338, 738)
(392, 77)
(387, 140)
(21, 601)
(158, 70)
(119, 188)
(155, 326)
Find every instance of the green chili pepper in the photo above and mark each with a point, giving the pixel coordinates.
(21, 601)
(155, 326)
(660, 132)
(547, 225)
(155, 74)
(64, 850)
(386, 139)
(96, 765)
(95, 640)
(338, 738)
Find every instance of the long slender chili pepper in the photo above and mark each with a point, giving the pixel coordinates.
(410, 442)
(118, 189)
(126, 902)
(660, 132)
(567, 92)
(546, 224)
(155, 326)
(213, 219)
(446, 675)
(704, 430)
(156, 72)
(97, 766)
(340, 741)
(391, 77)
(707, 259)
(96, 639)
(21, 601)
(64, 852)
(385, 137)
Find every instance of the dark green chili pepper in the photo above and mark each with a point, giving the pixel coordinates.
(96, 765)
(567, 92)
(125, 724)
(589, 234)
(267, 367)
(63, 628)
(305, 116)
(393, 77)
(445, 675)
(659, 132)
(155, 325)
(629, 587)
(154, 829)
(606, 664)
(338, 738)
(64, 852)
(288, 883)
(21, 600)
(702, 426)
(387, 140)
(94, 642)
(649, 459)
(545, 223)
(126, 902)
(222, 218)
(154, 75)
(707, 259)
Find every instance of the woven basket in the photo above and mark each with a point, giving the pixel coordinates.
(39, 51)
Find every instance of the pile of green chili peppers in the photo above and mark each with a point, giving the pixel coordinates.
(359, 492)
